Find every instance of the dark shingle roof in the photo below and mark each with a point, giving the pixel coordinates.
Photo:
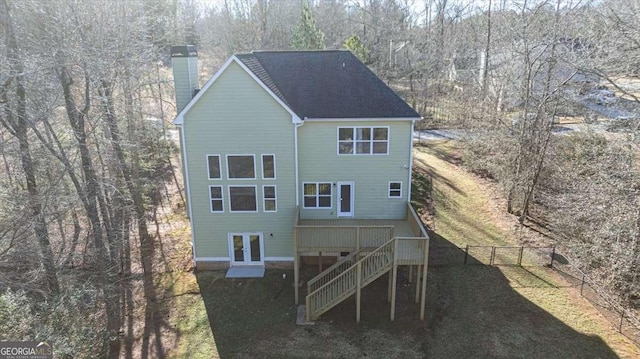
(326, 84)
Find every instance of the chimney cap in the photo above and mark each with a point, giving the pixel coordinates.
(184, 51)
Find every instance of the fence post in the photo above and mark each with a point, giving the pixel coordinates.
(466, 253)
(582, 285)
(621, 321)
(553, 256)
(520, 256)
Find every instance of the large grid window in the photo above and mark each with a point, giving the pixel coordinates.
(268, 166)
(317, 195)
(213, 166)
(269, 198)
(363, 140)
(241, 167)
(215, 195)
(243, 199)
(395, 189)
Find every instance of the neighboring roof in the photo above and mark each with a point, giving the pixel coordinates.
(326, 84)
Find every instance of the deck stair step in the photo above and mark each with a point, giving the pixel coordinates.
(343, 279)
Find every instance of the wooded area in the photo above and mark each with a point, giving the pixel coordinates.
(86, 100)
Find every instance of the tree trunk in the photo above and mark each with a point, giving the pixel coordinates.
(18, 124)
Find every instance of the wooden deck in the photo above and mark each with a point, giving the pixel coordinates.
(378, 246)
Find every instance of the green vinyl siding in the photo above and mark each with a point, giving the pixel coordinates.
(237, 116)
(319, 162)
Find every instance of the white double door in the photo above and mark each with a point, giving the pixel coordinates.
(246, 249)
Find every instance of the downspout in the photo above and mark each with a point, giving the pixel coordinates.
(295, 154)
(185, 165)
(410, 162)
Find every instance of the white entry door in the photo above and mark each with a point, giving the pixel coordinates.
(246, 249)
(345, 199)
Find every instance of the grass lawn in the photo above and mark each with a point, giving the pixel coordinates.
(472, 311)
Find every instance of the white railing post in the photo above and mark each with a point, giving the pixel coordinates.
(395, 278)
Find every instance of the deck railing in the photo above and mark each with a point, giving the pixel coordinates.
(412, 250)
(333, 271)
(351, 280)
(415, 223)
(340, 238)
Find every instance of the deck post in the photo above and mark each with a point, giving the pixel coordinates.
(357, 239)
(320, 262)
(417, 300)
(296, 266)
(389, 287)
(358, 290)
(425, 264)
(411, 273)
(395, 279)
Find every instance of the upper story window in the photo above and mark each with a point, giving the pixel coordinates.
(395, 189)
(363, 140)
(213, 166)
(269, 198)
(241, 167)
(215, 195)
(268, 166)
(243, 199)
(317, 195)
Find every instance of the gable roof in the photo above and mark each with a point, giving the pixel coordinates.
(317, 85)
(326, 84)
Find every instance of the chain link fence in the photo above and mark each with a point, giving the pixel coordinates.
(626, 320)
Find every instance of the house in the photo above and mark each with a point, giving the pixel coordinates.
(294, 153)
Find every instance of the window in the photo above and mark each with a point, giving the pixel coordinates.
(395, 189)
(215, 195)
(269, 197)
(363, 140)
(268, 166)
(242, 199)
(317, 195)
(213, 166)
(241, 167)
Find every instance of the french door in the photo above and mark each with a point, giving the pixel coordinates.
(246, 249)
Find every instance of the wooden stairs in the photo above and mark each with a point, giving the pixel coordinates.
(348, 276)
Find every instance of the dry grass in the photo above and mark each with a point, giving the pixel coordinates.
(465, 215)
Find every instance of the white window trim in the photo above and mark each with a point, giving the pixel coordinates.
(264, 199)
(389, 189)
(255, 190)
(318, 195)
(354, 141)
(274, 166)
(221, 199)
(241, 179)
(219, 165)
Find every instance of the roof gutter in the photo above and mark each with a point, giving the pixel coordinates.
(338, 119)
